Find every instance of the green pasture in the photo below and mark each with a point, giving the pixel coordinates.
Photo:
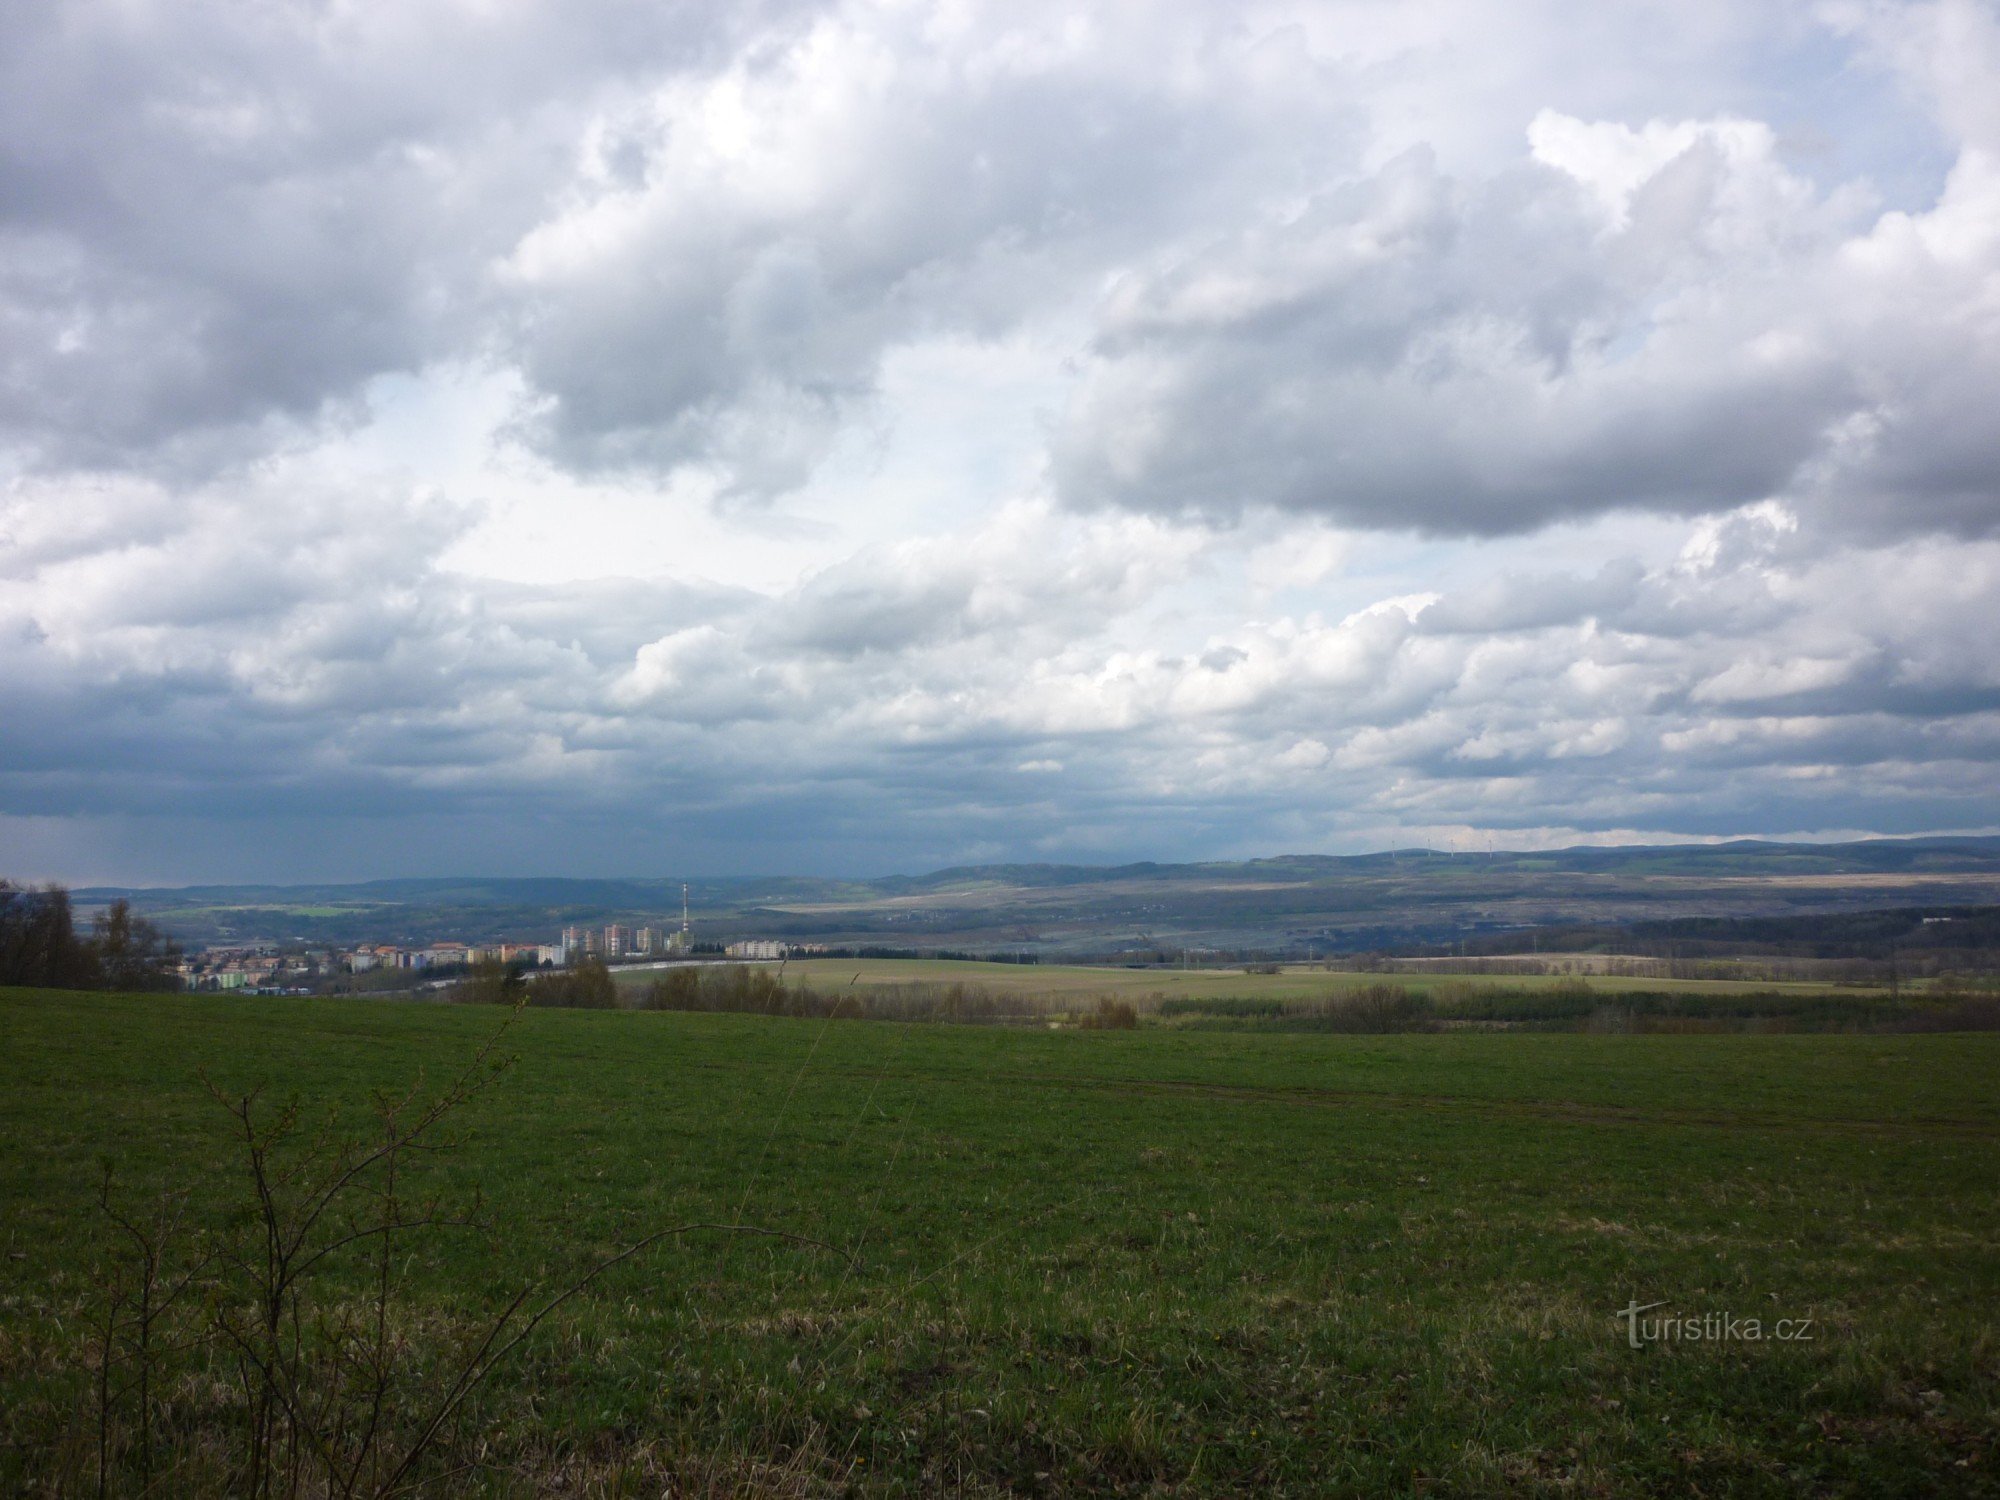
(1039, 1262)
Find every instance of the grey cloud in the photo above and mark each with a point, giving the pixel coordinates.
(1463, 359)
(694, 236)
(684, 311)
(1527, 602)
(214, 220)
(1663, 319)
(697, 231)
(1530, 724)
(905, 691)
(862, 616)
(608, 619)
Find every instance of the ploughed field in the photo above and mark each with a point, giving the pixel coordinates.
(1044, 1262)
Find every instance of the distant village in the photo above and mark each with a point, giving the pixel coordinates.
(267, 968)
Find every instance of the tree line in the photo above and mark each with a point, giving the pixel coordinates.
(41, 945)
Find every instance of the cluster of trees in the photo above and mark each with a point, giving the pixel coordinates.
(587, 986)
(41, 946)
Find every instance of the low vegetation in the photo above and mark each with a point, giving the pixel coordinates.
(1299, 981)
(1291, 1001)
(775, 1255)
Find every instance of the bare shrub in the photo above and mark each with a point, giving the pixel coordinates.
(488, 982)
(742, 989)
(1610, 1020)
(1455, 994)
(1375, 1008)
(736, 989)
(970, 1004)
(1110, 1015)
(587, 986)
(1980, 1014)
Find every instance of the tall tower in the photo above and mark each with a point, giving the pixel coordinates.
(684, 914)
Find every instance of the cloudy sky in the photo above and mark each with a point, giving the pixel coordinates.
(637, 437)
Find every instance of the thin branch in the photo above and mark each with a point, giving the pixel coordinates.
(429, 1221)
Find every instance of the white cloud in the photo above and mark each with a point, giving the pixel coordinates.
(867, 433)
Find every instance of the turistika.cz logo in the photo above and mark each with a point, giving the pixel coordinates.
(1713, 1328)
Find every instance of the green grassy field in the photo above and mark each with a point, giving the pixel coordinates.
(1097, 1262)
(1292, 981)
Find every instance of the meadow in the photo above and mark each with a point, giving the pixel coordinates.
(1032, 1261)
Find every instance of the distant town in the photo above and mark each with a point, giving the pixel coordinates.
(268, 968)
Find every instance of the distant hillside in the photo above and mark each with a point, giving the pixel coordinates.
(1870, 933)
(1285, 904)
(1738, 857)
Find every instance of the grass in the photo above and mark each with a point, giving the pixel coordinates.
(1110, 1261)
